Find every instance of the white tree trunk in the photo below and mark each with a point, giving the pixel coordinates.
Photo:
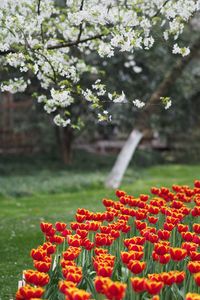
(115, 177)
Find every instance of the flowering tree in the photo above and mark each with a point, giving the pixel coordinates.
(53, 40)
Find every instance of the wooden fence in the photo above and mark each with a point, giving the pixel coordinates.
(15, 135)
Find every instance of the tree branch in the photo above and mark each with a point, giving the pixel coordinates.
(81, 25)
(38, 8)
(168, 81)
(41, 27)
(175, 72)
(61, 45)
(157, 13)
(76, 43)
(52, 67)
(7, 52)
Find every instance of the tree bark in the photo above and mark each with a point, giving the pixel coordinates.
(116, 175)
(65, 140)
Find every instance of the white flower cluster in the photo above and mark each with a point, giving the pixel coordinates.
(16, 85)
(52, 41)
(166, 101)
(104, 116)
(60, 121)
(90, 96)
(99, 87)
(17, 60)
(138, 103)
(60, 99)
(132, 64)
(184, 51)
(105, 50)
(168, 104)
(117, 98)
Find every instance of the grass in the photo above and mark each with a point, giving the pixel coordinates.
(47, 191)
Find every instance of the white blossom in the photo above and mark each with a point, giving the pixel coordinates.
(90, 96)
(50, 106)
(42, 99)
(104, 116)
(119, 99)
(138, 103)
(99, 87)
(184, 51)
(129, 64)
(166, 101)
(16, 85)
(137, 69)
(62, 98)
(168, 104)
(105, 50)
(60, 121)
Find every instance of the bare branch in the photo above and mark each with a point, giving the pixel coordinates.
(81, 25)
(76, 43)
(157, 13)
(38, 9)
(7, 52)
(41, 27)
(52, 67)
(62, 45)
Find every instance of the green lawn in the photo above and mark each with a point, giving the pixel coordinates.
(30, 195)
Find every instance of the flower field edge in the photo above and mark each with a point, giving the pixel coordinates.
(144, 247)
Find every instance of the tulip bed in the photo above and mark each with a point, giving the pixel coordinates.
(138, 248)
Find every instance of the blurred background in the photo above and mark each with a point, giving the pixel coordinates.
(47, 172)
(30, 142)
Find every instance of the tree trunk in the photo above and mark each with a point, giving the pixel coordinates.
(123, 159)
(116, 175)
(65, 138)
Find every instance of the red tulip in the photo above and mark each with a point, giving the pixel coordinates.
(161, 249)
(38, 254)
(57, 239)
(164, 259)
(194, 266)
(178, 254)
(45, 227)
(182, 228)
(60, 226)
(168, 278)
(104, 270)
(189, 247)
(80, 218)
(152, 219)
(168, 226)
(179, 276)
(164, 234)
(120, 193)
(42, 266)
(72, 253)
(136, 267)
(194, 256)
(138, 284)
(49, 247)
(140, 225)
(188, 236)
(153, 287)
(197, 278)
(36, 278)
(28, 292)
